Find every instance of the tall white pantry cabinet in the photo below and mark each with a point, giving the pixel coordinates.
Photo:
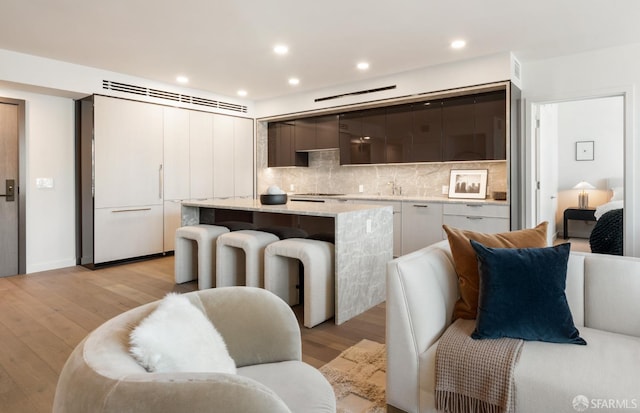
(137, 161)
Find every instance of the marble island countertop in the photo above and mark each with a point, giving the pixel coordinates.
(400, 198)
(329, 209)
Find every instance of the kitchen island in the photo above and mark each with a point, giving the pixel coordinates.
(363, 240)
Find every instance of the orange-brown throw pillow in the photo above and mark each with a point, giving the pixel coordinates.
(466, 262)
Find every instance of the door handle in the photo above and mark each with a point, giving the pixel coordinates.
(10, 190)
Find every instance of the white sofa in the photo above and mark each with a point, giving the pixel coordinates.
(603, 292)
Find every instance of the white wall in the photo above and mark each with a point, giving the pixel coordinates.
(489, 69)
(50, 213)
(605, 72)
(49, 87)
(69, 79)
(600, 121)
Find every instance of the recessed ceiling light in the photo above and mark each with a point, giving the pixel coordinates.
(362, 65)
(458, 44)
(294, 81)
(281, 49)
(242, 92)
(182, 79)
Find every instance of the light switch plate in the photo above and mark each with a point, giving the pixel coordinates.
(44, 183)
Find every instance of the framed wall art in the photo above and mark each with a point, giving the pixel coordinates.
(584, 151)
(468, 183)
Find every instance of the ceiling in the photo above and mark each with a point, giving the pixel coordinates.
(224, 46)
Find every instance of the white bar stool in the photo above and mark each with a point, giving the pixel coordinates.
(204, 236)
(282, 272)
(229, 258)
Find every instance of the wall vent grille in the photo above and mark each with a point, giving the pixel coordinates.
(172, 96)
(516, 69)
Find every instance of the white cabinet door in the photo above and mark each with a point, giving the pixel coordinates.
(223, 163)
(176, 153)
(122, 233)
(201, 155)
(421, 225)
(488, 218)
(243, 157)
(128, 153)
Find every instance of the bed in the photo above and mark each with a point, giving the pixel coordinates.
(607, 235)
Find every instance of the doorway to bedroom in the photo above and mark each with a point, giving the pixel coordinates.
(580, 163)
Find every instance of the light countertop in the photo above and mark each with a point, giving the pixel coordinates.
(400, 198)
(330, 209)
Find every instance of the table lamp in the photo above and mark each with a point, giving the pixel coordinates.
(583, 196)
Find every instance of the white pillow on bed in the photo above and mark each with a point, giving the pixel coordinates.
(618, 193)
(178, 337)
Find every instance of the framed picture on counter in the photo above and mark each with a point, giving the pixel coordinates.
(468, 183)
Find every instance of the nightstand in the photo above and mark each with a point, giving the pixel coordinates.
(578, 214)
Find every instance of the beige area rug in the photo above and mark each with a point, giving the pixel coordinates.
(358, 378)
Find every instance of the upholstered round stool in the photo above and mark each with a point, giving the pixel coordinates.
(282, 271)
(204, 236)
(229, 258)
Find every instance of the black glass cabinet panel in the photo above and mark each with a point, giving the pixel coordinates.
(491, 125)
(458, 122)
(305, 134)
(280, 146)
(327, 132)
(399, 133)
(362, 139)
(427, 132)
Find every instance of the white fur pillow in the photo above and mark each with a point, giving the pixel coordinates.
(178, 337)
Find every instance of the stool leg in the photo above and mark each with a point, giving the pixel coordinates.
(183, 261)
(206, 258)
(318, 289)
(229, 263)
(280, 277)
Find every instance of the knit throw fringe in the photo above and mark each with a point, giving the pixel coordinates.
(475, 375)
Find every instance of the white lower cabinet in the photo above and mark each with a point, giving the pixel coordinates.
(421, 225)
(488, 218)
(172, 221)
(121, 233)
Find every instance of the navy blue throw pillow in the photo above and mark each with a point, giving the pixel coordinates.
(522, 294)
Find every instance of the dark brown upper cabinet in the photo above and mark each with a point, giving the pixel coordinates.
(474, 127)
(462, 128)
(458, 122)
(426, 145)
(399, 133)
(362, 137)
(317, 133)
(491, 125)
(281, 149)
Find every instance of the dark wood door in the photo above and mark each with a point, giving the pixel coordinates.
(9, 223)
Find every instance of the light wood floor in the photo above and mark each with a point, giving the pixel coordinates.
(43, 316)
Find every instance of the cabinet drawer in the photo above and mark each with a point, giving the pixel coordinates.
(128, 232)
(477, 210)
(477, 223)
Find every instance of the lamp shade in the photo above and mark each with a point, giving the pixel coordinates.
(584, 185)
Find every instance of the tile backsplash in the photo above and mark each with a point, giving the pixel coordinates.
(325, 174)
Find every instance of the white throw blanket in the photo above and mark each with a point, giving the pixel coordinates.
(475, 375)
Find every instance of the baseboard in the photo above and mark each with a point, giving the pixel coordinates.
(52, 265)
